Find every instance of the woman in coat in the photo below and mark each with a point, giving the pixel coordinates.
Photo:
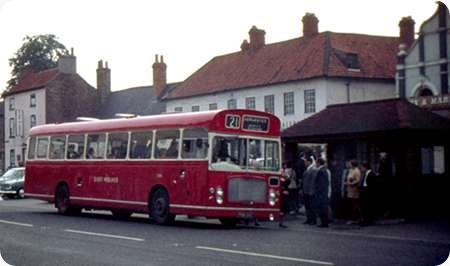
(352, 183)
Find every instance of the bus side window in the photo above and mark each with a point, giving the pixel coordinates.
(75, 146)
(96, 146)
(195, 143)
(167, 143)
(42, 147)
(117, 145)
(32, 148)
(57, 147)
(141, 145)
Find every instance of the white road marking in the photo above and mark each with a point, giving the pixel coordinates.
(104, 235)
(266, 255)
(15, 223)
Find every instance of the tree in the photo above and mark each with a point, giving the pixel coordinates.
(38, 53)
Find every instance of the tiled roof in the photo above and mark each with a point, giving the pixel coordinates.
(366, 117)
(327, 54)
(138, 101)
(32, 80)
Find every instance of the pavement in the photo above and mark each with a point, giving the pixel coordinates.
(434, 231)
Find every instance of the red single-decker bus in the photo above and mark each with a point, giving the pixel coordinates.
(222, 164)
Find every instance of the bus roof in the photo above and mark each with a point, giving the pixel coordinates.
(212, 120)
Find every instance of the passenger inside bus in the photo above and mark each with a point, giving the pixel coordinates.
(172, 151)
(195, 148)
(71, 153)
(90, 153)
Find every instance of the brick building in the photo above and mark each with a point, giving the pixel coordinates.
(51, 96)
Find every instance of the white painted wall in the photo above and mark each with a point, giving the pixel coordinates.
(22, 103)
(432, 60)
(327, 91)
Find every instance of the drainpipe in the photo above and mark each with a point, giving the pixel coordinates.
(348, 91)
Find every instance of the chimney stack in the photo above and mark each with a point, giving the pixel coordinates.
(103, 81)
(257, 38)
(310, 25)
(159, 75)
(68, 63)
(406, 31)
(245, 46)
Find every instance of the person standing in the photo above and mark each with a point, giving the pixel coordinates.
(309, 177)
(352, 183)
(299, 169)
(321, 196)
(284, 208)
(292, 188)
(385, 186)
(366, 194)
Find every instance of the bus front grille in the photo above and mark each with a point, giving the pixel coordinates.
(247, 190)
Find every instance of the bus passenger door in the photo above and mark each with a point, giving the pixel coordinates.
(191, 182)
(180, 176)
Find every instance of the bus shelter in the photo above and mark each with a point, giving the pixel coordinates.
(411, 144)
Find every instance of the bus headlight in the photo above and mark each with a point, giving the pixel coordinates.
(219, 195)
(219, 191)
(272, 197)
(219, 200)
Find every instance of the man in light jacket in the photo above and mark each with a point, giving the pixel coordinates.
(309, 178)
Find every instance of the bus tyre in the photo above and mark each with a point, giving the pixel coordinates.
(62, 201)
(228, 222)
(160, 208)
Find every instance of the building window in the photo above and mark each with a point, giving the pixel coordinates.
(269, 104)
(433, 160)
(178, 109)
(310, 101)
(213, 106)
(33, 100)
(289, 103)
(32, 121)
(12, 104)
(250, 103)
(12, 157)
(195, 108)
(232, 104)
(12, 127)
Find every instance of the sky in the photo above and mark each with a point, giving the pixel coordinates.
(188, 33)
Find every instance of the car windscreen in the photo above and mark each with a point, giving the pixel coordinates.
(13, 174)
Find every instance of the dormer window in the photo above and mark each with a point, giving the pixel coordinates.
(350, 60)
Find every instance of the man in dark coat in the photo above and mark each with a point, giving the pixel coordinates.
(299, 168)
(321, 192)
(366, 190)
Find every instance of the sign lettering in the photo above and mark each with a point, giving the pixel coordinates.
(431, 100)
(253, 123)
(233, 121)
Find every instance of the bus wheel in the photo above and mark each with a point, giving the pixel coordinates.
(121, 214)
(62, 202)
(228, 222)
(159, 208)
